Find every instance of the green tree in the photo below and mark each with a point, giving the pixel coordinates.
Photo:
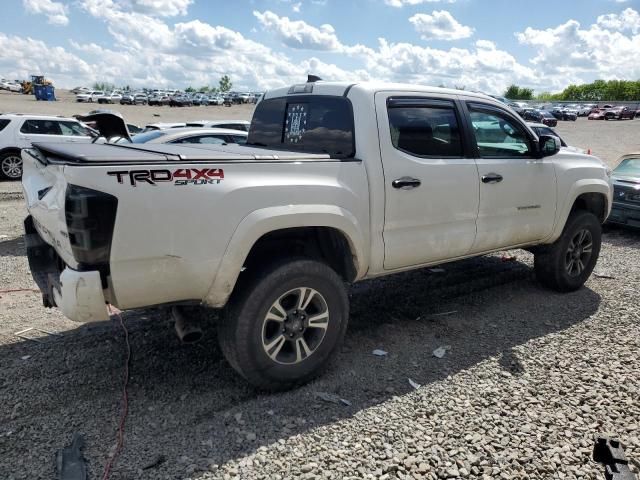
(514, 92)
(225, 83)
(190, 89)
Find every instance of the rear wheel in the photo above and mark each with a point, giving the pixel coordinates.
(282, 326)
(567, 264)
(11, 165)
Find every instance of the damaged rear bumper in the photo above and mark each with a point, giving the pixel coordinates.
(78, 294)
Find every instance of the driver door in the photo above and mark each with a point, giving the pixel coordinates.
(517, 190)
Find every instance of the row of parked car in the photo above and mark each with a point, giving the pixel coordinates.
(18, 131)
(171, 98)
(550, 114)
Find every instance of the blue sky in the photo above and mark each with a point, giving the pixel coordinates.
(479, 44)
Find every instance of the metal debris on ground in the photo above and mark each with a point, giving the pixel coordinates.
(158, 460)
(379, 353)
(603, 275)
(25, 357)
(71, 464)
(332, 398)
(611, 454)
(21, 334)
(441, 351)
(437, 270)
(414, 384)
(442, 314)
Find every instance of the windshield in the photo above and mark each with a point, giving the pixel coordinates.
(547, 115)
(148, 136)
(629, 166)
(305, 123)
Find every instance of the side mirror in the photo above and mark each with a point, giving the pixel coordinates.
(548, 145)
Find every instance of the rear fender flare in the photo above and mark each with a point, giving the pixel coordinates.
(266, 220)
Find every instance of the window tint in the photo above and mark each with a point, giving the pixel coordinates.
(74, 128)
(41, 127)
(425, 131)
(3, 123)
(498, 135)
(306, 123)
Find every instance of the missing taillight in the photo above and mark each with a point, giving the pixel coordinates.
(90, 217)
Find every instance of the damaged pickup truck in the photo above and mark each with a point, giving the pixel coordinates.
(337, 183)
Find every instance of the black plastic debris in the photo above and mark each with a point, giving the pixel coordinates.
(610, 453)
(70, 462)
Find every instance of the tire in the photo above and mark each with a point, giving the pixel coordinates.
(246, 334)
(553, 264)
(11, 165)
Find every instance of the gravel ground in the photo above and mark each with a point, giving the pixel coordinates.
(529, 378)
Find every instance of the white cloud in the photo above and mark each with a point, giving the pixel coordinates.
(56, 12)
(299, 34)
(158, 8)
(628, 20)
(296, 7)
(151, 49)
(440, 25)
(402, 3)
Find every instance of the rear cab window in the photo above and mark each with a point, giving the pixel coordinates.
(305, 123)
(424, 127)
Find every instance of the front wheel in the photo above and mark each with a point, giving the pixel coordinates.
(566, 265)
(284, 323)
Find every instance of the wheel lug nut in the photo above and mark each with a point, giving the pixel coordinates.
(301, 328)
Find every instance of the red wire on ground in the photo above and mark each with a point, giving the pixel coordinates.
(125, 401)
(14, 290)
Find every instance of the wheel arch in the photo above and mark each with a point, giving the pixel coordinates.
(327, 232)
(589, 195)
(17, 150)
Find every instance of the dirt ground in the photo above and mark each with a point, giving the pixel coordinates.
(529, 378)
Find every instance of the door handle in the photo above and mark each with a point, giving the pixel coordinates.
(406, 183)
(491, 178)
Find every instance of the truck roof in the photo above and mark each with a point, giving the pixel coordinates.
(341, 88)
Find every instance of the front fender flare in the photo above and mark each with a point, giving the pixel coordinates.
(270, 219)
(578, 188)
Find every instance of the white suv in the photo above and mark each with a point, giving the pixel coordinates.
(19, 131)
(90, 97)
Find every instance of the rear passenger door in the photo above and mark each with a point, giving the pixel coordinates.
(517, 190)
(431, 183)
(39, 131)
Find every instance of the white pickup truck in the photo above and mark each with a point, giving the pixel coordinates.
(337, 183)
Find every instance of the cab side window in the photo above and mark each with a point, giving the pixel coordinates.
(498, 135)
(424, 128)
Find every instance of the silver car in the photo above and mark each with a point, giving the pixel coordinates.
(205, 136)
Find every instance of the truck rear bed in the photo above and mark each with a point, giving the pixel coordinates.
(124, 154)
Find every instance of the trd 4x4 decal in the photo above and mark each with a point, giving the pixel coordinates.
(181, 176)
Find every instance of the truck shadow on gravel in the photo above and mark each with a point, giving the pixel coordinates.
(188, 406)
(13, 248)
